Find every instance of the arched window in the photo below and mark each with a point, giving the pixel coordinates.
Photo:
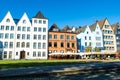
(24, 21)
(8, 20)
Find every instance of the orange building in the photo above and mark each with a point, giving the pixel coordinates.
(62, 41)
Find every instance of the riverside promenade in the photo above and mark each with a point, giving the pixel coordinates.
(86, 68)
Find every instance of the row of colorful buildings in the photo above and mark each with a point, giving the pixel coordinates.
(26, 38)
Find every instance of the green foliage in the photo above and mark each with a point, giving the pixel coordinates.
(88, 49)
(96, 49)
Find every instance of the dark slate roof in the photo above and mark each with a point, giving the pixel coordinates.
(80, 30)
(54, 26)
(40, 15)
(66, 28)
(93, 27)
(16, 21)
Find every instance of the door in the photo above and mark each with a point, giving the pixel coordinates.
(22, 54)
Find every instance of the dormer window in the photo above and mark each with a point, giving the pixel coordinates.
(55, 29)
(69, 30)
(87, 32)
(24, 21)
(8, 20)
(106, 26)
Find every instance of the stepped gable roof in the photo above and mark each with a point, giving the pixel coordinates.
(114, 27)
(82, 29)
(101, 23)
(40, 15)
(93, 26)
(54, 26)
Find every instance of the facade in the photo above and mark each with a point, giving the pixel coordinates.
(83, 38)
(23, 38)
(116, 29)
(62, 41)
(96, 36)
(109, 38)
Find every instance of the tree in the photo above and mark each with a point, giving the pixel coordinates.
(97, 49)
(88, 49)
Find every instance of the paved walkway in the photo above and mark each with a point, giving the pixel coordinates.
(54, 69)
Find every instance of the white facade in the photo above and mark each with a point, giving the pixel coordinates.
(24, 38)
(97, 36)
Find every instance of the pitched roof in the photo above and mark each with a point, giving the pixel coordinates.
(40, 15)
(54, 26)
(80, 30)
(93, 26)
(66, 28)
(114, 27)
(101, 23)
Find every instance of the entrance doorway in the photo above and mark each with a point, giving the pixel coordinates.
(22, 54)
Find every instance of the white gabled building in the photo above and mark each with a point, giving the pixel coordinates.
(97, 36)
(24, 38)
(83, 38)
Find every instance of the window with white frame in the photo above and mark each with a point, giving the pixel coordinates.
(19, 28)
(39, 45)
(27, 44)
(12, 28)
(6, 35)
(34, 54)
(39, 37)
(43, 54)
(11, 36)
(5, 44)
(39, 54)
(44, 46)
(34, 45)
(7, 27)
(11, 45)
(23, 36)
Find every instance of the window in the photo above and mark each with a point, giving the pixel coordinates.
(72, 37)
(6, 36)
(8, 20)
(55, 36)
(98, 44)
(68, 45)
(89, 38)
(35, 36)
(85, 43)
(7, 27)
(35, 21)
(23, 28)
(68, 37)
(55, 44)
(40, 21)
(16, 53)
(35, 29)
(6, 45)
(11, 45)
(28, 29)
(1, 35)
(5, 54)
(44, 22)
(87, 32)
(85, 38)
(73, 45)
(99, 38)
(18, 36)
(27, 53)
(39, 54)
(12, 28)
(10, 54)
(39, 45)
(23, 44)
(27, 45)
(24, 21)
(44, 45)
(39, 37)
(23, 36)
(61, 36)
(50, 44)
(44, 37)
(11, 36)
(50, 36)
(62, 44)
(43, 54)
(44, 29)
(18, 44)
(28, 36)
(97, 32)
(19, 28)
(34, 54)
(39, 29)
(2, 27)
(34, 45)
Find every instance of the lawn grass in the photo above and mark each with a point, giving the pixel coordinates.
(5, 64)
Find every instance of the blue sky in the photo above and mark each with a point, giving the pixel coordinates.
(64, 12)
